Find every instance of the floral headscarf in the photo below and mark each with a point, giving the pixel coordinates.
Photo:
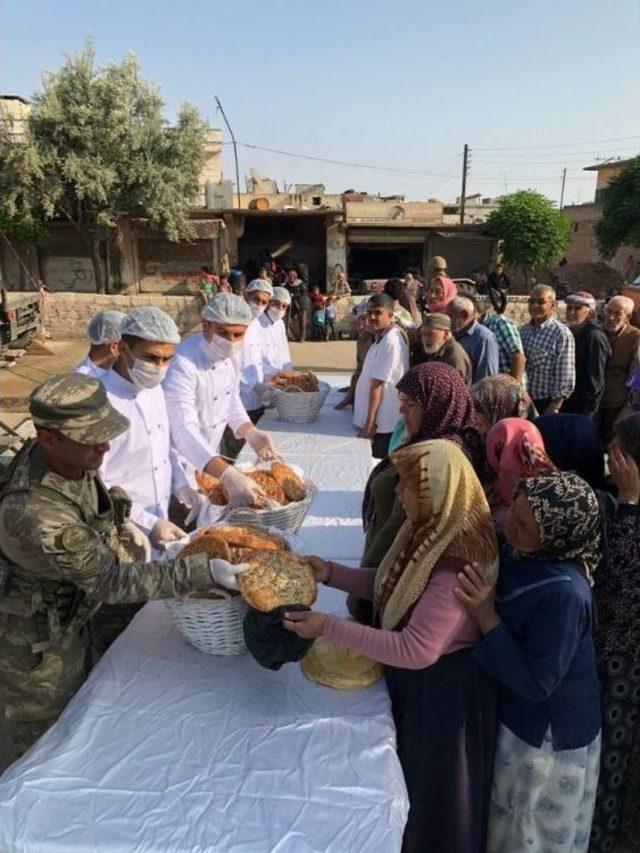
(568, 516)
(502, 396)
(515, 451)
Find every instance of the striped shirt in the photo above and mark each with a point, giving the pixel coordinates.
(551, 360)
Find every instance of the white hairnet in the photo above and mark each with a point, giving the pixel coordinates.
(104, 327)
(150, 324)
(228, 309)
(282, 295)
(259, 285)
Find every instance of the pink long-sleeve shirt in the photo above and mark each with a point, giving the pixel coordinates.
(439, 623)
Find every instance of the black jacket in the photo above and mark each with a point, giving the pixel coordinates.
(592, 351)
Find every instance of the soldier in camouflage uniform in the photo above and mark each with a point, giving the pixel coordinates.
(62, 555)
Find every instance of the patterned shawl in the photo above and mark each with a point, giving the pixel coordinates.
(502, 396)
(449, 292)
(515, 451)
(453, 521)
(567, 512)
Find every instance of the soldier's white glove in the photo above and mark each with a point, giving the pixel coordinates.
(164, 531)
(242, 490)
(192, 500)
(262, 445)
(225, 573)
(138, 540)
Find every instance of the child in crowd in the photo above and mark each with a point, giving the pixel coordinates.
(329, 319)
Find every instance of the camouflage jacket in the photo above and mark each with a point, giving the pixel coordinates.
(61, 554)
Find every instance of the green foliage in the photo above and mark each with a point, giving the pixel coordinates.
(533, 232)
(620, 222)
(31, 231)
(98, 149)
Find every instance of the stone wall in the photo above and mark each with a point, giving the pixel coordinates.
(67, 314)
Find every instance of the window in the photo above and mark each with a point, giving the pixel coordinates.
(317, 200)
(576, 225)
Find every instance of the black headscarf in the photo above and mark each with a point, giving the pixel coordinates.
(573, 443)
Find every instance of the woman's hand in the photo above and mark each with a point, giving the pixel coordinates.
(626, 475)
(304, 623)
(477, 594)
(321, 568)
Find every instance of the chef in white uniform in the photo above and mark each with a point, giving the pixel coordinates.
(251, 358)
(203, 396)
(141, 460)
(276, 354)
(103, 332)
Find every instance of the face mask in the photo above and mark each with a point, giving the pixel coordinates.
(222, 348)
(256, 310)
(276, 314)
(143, 374)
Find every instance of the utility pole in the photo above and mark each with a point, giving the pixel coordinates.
(564, 178)
(465, 168)
(235, 149)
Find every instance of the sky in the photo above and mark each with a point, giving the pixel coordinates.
(532, 86)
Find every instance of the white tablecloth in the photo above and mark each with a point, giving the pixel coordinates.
(168, 749)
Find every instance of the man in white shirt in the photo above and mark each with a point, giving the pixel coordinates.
(375, 409)
(276, 354)
(203, 396)
(141, 460)
(103, 332)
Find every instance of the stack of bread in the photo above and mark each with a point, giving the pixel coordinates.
(280, 484)
(294, 381)
(275, 576)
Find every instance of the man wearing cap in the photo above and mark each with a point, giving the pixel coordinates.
(103, 332)
(438, 344)
(141, 460)
(202, 393)
(276, 354)
(592, 352)
(66, 549)
(549, 348)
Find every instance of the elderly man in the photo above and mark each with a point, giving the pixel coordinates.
(63, 557)
(438, 344)
(510, 349)
(300, 303)
(103, 332)
(276, 354)
(549, 348)
(625, 341)
(340, 286)
(141, 460)
(375, 409)
(203, 395)
(479, 343)
(592, 353)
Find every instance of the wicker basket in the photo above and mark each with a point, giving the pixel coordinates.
(212, 625)
(288, 518)
(301, 407)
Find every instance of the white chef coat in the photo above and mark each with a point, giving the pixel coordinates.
(275, 354)
(249, 363)
(140, 459)
(203, 397)
(88, 368)
(387, 360)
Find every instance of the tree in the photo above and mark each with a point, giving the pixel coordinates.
(532, 231)
(620, 222)
(97, 149)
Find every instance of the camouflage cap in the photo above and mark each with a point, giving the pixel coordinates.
(77, 406)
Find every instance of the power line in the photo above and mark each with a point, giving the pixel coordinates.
(561, 145)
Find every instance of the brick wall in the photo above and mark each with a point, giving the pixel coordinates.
(67, 314)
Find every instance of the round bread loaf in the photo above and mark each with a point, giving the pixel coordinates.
(276, 578)
(335, 666)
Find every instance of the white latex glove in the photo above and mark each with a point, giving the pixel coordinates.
(192, 500)
(225, 573)
(138, 539)
(165, 531)
(260, 442)
(242, 490)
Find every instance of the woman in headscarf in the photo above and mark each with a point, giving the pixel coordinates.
(443, 706)
(440, 291)
(574, 444)
(515, 451)
(538, 644)
(500, 396)
(434, 403)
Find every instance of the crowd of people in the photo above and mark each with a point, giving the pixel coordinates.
(501, 517)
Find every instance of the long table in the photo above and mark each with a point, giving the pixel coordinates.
(168, 749)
